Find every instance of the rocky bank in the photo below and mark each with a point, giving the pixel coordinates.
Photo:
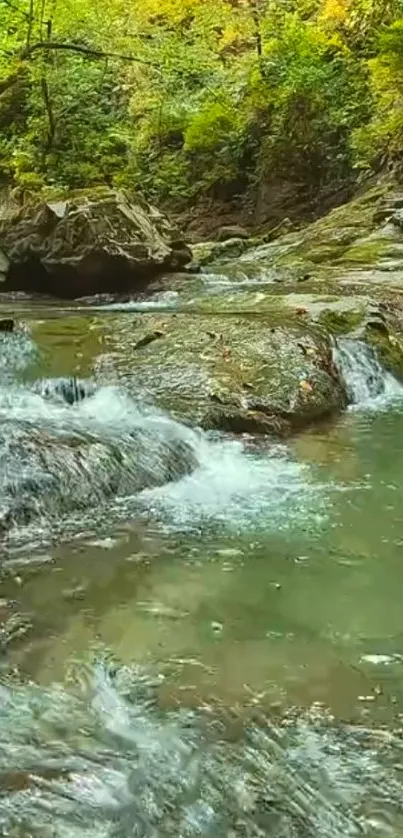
(246, 344)
(87, 244)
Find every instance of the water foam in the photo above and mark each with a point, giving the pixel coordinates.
(109, 410)
(164, 301)
(238, 488)
(56, 458)
(17, 350)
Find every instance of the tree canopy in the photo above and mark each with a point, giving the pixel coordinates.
(180, 98)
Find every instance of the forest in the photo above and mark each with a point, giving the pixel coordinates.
(183, 99)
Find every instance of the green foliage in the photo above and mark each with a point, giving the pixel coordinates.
(381, 141)
(317, 93)
(223, 94)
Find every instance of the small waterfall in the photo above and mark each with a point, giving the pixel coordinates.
(367, 381)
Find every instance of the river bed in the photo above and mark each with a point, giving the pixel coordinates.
(182, 651)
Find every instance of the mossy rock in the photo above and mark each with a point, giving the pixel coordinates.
(350, 236)
(367, 252)
(389, 348)
(206, 253)
(341, 322)
(233, 372)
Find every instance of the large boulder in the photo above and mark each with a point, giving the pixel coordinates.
(88, 244)
(241, 374)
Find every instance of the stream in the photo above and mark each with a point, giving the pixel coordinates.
(201, 635)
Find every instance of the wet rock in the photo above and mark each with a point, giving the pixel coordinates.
(93, 243)
(280, 229)
(215, 251)
(70, 390)
(351, 264)
(240, 374)
(349, 260)
(387, 207)
(46, 472)
(193, 268)
(232, 773)
(234, 231)
(388, 344)
(14, 625)
(6, 325)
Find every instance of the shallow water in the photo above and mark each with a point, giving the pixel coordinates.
(263, 584)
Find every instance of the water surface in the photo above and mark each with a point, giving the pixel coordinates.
(262, 589)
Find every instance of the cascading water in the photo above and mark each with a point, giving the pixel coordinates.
(367, 381)
(56, 457)
(17, 350)
(70, 446)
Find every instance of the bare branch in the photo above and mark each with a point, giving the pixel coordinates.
(94, 53)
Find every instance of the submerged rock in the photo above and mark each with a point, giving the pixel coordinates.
(60, 462)
(86, 245)
(69, 390)
(7, 325)
(101, 754)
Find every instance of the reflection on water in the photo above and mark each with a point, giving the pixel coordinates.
(269, 578)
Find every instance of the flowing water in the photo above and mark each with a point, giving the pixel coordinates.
(200, 635)
(368, 384)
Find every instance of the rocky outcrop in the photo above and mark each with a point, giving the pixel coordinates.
(342, 273)
(86, 245)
